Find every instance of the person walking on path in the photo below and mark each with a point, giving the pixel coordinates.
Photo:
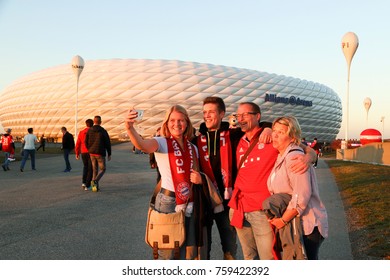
(317, 148)
(8, 147)
(82, 150)
(42, 143)
(98, 144)
(29, 141)
(67, 147)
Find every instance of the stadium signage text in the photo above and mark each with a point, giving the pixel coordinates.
(292, 100)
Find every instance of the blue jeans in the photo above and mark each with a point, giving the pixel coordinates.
(66, 157)
(6, 160)
(98, 167)
(27, 153)
(256, 236)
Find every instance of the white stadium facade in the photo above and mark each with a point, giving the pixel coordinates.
(46, 100)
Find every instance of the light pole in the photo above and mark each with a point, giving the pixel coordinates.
(77, 66)
(349, 45)
(383, 128)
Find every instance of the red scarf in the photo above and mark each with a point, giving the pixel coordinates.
(225, 151)
(181, 168)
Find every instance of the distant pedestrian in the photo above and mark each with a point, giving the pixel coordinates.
(67, 147)
(42, 143)
(303, 141)
(317, 148)
(29, 141)
(82, 149)
(98, 144)
(8, 147)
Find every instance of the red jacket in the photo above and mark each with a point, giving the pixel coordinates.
(80, 143)
(7, 143)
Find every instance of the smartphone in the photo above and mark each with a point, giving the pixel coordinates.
(140, 115)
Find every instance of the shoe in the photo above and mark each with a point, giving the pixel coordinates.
(21, 169)
(8, 168)
(66, 170)
(228, 256)
(86, 189)
(94, 186)
(5, 169)
(34, 169)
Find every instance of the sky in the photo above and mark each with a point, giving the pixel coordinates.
(301, 39)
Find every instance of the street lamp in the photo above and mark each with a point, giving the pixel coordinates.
(77, 66)
(349, 45)
(383, 128)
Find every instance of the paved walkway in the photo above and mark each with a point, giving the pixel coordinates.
(46, 215)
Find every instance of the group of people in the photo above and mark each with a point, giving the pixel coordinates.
(249, 165)
(93, 145)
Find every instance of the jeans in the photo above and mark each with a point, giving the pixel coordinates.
(66, 157)
(6, 160)
(98, 167)
(256, 236)
(27, 153)
(87, 169)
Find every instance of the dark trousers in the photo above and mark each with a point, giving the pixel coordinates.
(66, 157)
(87, 169)
(227, 233)
(312, 243)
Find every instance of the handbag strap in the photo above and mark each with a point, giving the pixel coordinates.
(253, 142)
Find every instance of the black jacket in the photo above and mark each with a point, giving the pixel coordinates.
(97, 141)
(67, 141)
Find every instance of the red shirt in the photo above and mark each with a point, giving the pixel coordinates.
(80, 143)
(250, 188)
(6, 142)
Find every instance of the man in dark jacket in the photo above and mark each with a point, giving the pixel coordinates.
(98, 144)
(67, 147)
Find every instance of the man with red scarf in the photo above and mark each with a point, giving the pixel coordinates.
(217, 144)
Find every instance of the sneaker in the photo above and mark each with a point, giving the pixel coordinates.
(5, 169)
(86, 188)
(94, 186)
(66, 170)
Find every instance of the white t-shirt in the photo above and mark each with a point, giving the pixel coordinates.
(29, 141)
(164, 167)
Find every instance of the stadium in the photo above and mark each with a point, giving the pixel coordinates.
(46, 100)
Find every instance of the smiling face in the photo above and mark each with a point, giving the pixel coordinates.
(177, 124)
(212, 116)
(280, 137)
(247, 119)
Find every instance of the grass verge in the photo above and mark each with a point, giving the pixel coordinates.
(365, 190)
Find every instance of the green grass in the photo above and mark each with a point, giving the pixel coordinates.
(365, 190)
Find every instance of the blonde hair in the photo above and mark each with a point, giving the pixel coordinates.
(293, 128)
(188, 133)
